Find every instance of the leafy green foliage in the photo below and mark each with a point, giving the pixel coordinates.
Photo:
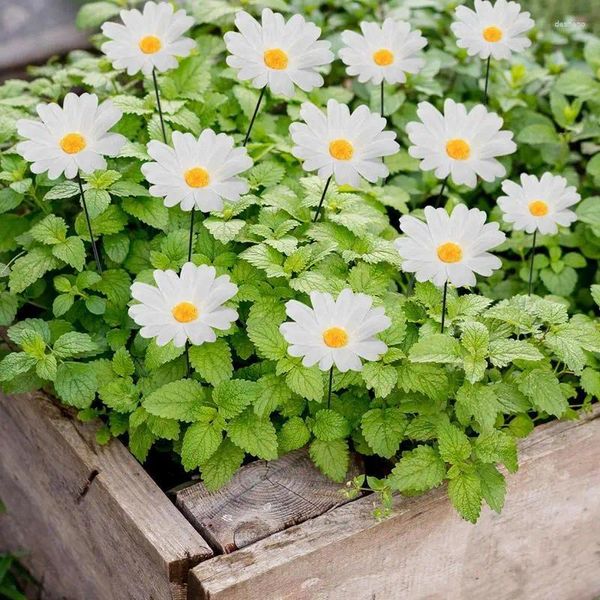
(437, 406)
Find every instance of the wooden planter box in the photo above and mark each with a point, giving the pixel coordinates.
(97, 527)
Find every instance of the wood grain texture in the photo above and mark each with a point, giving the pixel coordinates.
(262, 498)
(94, 524)
(545, 544)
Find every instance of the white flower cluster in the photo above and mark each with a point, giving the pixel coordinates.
(200, 173)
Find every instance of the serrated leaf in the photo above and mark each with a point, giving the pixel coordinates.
(212, 361)
(76, 384)
(465, 494)
(329, 425)
(331, 457)
(380, 378)
(181, 400)
(254, 435)
(293, 435)
(222, 465)
(384, 429)
(543, 389)
(200, 442)
(454, 445)
(418, 470)
(73, 343)
(233, 396)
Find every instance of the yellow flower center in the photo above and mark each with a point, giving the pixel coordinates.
(150, 44)
(341, 149)
(383, 57)
(197, 177)
(538, 208)
(458, 149)
(276, 58)
(335, 337)
(184, 312)
(449, 252)
(492, 34)
(72, 143)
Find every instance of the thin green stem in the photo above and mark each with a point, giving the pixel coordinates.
(444, 305)
(532, 256)
(487, 79)
(191, 241)
(262, 93)
(89, 224)
(160, 113)
(322, 199)
(330, 386)
(382, 98)
(439, 196)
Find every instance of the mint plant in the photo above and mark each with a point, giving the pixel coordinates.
(437, 406)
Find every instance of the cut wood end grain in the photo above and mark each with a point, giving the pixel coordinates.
(262, 498)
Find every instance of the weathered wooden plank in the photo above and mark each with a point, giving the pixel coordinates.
(262, 499)
(545, 544)
(33, 30)
(92, 521)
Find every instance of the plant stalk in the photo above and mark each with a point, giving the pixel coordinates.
(160, 113)
(439, 196)
(487, 78)
(330, 386)
(382, 98)
(89, 224)
(191, 241)
(444, 305)
(322, 199)
(262, 93)
(532, 256)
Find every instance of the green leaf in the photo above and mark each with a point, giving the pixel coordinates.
(590, 382)
(329, 425)
(122, 363)
(140, 442)
(212, 361)
(331, 457)
(561, 284)
(159, 355)
(543, 389)
(29, 268)
(465, 494)
(120, 394)
(71, 251)
(539, 133)
(8, 308)
(254, 435)
(92, 15)
(384, 429)
(436, 348)
(181, 400)
(430, 380)
(293, 435)
(505, 351)
(233, 396)
(200, 442)
(418, 470)
(496, 446)
(50, 230)
(479, 402)
(380, 378)
(222, 465)
(272, 393)
(76, 384)
(262, 328)
(97, 201)
(454, 445)
(306, 382)
(62, 190)
(14, 364)
(20, 332)
(150, 211)
(46, 367)
(493, 486)
(574, 82)
(73, 343)
(224, 231)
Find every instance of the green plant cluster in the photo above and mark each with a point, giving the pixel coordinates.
(437, 407)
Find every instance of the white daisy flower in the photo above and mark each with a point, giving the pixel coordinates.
(492, 30)
(538, 204)
(383, 52)
(335, 332)
(72, 138)
(449, 247)
(346, 145)
(459, 143)
(148, 40)
(277, 53)
(197, 172)
(184, 307)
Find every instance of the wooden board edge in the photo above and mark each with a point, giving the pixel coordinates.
(215, 578)
(162, 530)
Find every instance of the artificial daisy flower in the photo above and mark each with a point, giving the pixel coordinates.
(383, 52)
(197, 172)
(72, 138)
(449, 247)
(459, 143)
(346, 145)
(538, 204)
(335, 332)
(277, 53)
(148, 40)
(184, 307)
(492, 30)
